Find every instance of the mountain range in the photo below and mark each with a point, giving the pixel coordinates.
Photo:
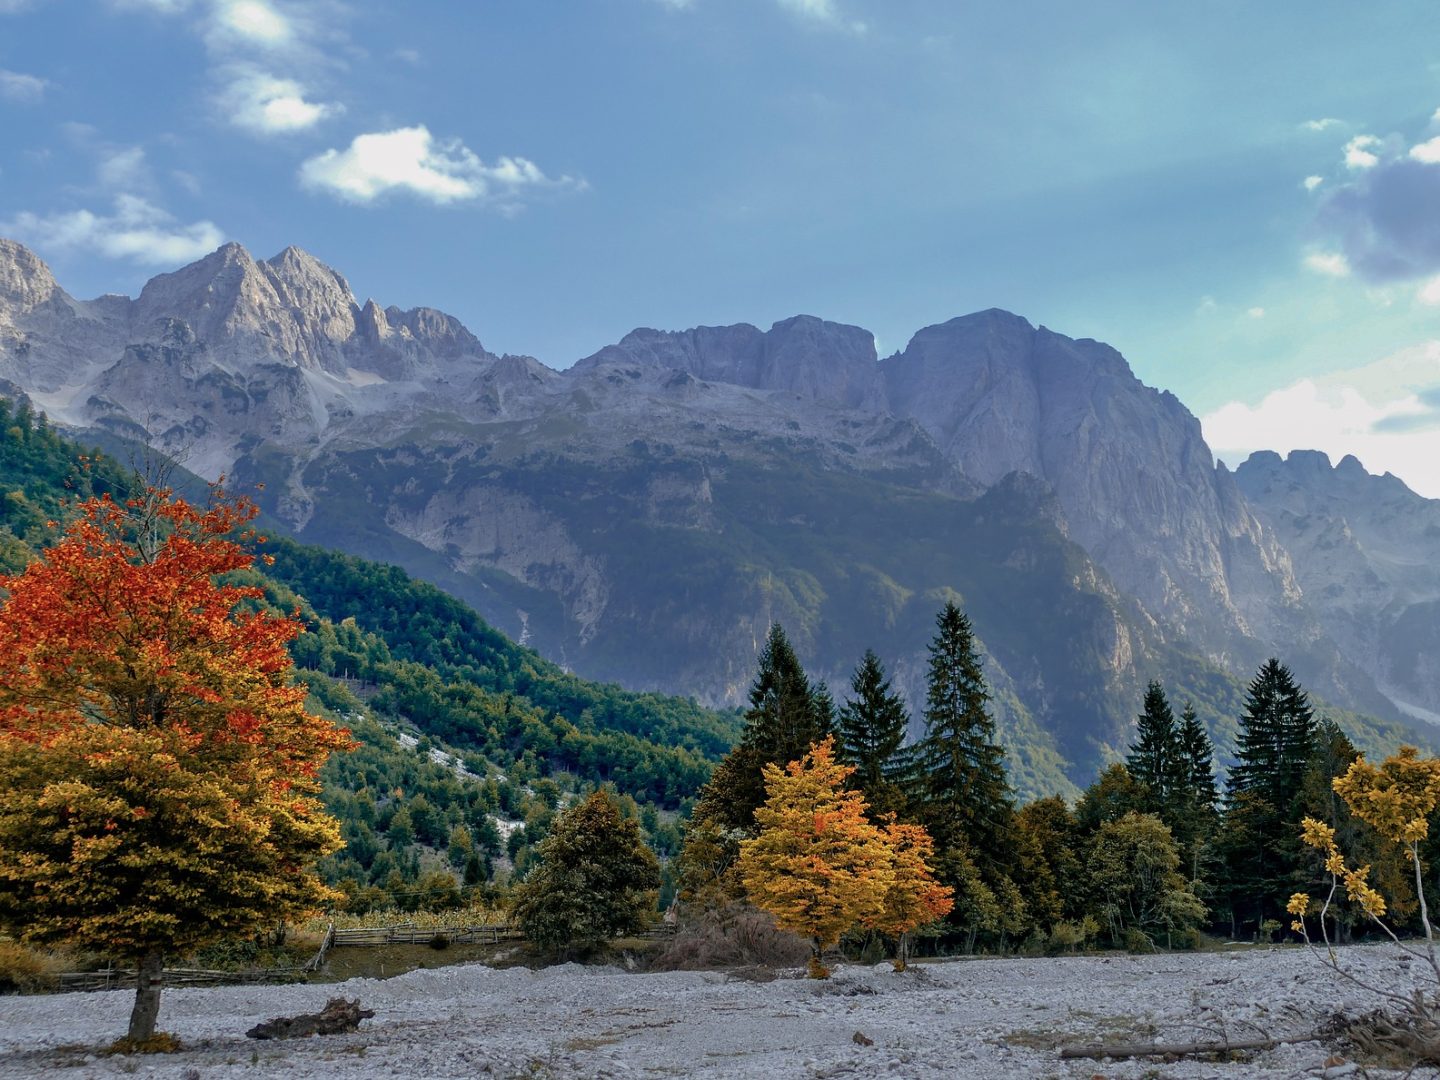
(642, 515)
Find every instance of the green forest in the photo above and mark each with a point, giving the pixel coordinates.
(470, 748)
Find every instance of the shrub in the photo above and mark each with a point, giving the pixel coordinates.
(27, 971)
(737, 935)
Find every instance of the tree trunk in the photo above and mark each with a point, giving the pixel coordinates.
(902, 953)
(147, 997)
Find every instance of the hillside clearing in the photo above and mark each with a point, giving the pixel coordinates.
(993, 1018)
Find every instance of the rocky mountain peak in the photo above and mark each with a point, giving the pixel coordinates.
(25, 279)
(804, 355)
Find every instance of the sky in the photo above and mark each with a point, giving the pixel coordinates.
(1243, 198)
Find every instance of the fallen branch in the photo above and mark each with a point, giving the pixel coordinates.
(337, 1017)
(1191, 1049)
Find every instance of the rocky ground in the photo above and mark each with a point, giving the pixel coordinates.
(965, 1018)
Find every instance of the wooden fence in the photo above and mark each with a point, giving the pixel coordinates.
(124, 978)
(492, 934)
(415, 935)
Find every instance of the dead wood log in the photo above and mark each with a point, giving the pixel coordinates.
(337, 1017)
(1192, 1049)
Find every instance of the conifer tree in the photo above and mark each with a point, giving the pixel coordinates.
(1155, 756)
(1257, 841)
(596, 879)
(1198, 755)
(785, 718)
(965, 794)
(871, 736)
(1277, 734)
(1196, 817)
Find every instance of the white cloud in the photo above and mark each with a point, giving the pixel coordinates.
(123, 168)
(266, 105)
(21, 88)
(1428, 151)
(1256, 312)
(822, 11)
(1330, 263)
(1207, 305)
(1429, 292)
(412, 161)
(254, 22)
(1310, 183)
(1323, 124)
(1387, 414)
(137, 231)
(1359, 152)
(678, 5)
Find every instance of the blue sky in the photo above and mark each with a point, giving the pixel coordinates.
(1244, 198)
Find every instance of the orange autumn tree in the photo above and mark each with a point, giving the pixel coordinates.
(818, 865)
(914, 898)
(158, 769)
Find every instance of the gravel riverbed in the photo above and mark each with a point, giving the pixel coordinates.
(1002, 1018)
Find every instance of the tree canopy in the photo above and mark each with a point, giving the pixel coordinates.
(159, 767)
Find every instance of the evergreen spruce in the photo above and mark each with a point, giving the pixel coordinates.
(1155, 758)
(1257, 843)
(1277, 737)
(966, 796)
(1198, 755)
(871, 733)
(786, 717)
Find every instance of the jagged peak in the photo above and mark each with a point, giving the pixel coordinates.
(24, 276)
(296, 269)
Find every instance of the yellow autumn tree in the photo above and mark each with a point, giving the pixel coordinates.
(818, 865)
(914, 898)
(1397, 800)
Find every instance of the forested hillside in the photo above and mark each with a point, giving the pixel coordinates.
(468, 742)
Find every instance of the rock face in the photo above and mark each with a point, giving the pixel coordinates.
(644, 515)
(1367, 550)
(813, 359)
(1137, 484)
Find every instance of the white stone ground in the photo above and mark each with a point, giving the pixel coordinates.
(966, 1018)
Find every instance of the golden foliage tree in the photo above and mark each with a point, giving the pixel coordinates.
(158, 768)
(818, 865)
(914, 897)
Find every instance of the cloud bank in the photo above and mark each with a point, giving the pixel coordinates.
(412, 161)
(1387, 414)
(136, 231)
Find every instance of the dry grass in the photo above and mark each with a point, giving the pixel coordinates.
(24, 970)
(737, 936)
(423, 920)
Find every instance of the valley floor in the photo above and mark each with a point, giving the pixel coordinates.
(964, 1018)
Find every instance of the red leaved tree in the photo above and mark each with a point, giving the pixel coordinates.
(158, 768)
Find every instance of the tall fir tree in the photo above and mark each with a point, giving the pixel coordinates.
(966, 798)
(871, 733)
(1198, 755)
(786, 717)
(1155, 757)
(1277, 738)
(1257, 841)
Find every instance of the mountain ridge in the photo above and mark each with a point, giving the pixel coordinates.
(642, 515)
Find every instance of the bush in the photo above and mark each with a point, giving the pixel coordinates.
(1137, 941)
(28, 971)
(1070, 936)
(733, 936)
